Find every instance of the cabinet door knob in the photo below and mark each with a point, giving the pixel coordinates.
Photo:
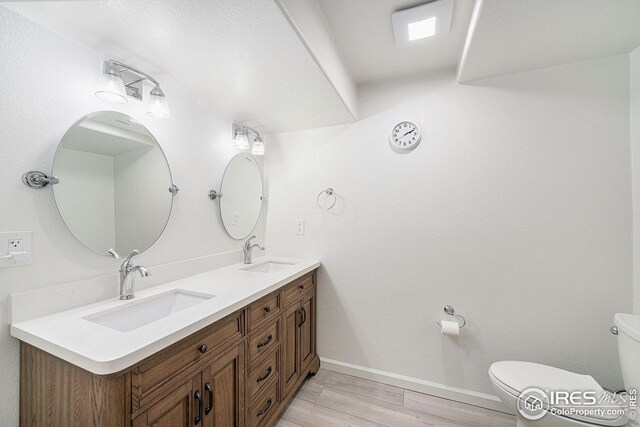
(301, 286)
(267, 309)
(203, 348)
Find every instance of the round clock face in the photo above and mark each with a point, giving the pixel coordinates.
(404, 136)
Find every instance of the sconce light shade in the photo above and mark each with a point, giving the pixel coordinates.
(241, 140)
(158, 106)
(111, 87)
(258, 147)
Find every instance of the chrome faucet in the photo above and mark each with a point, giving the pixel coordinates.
(127, 276)
(248, 247)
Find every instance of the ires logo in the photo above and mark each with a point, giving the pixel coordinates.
(534, 403)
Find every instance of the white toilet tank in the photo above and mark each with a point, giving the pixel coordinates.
(629, 349)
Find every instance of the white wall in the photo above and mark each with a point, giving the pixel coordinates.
(635, 162)
(47, 83)
(515, 209)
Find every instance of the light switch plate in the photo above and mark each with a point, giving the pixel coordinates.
(17, 241)
(300, 227)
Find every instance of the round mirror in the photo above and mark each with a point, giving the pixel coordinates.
(114, 191)
(241, 200)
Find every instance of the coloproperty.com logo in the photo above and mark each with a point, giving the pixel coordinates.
(534, 403)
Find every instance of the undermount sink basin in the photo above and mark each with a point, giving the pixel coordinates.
(268, 267)
(147, 310)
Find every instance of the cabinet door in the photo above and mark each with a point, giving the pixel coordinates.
(223, 389)
(179, 408)
(289, 346)
(307, 331)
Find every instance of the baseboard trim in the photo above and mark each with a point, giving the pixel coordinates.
(415, 384)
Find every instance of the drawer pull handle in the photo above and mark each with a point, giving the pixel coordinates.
(198, 397)
(268, 340)
(203, 348)
(264, 410)
(209, 407)
(265, 376)
(301, 286)
(267, 309)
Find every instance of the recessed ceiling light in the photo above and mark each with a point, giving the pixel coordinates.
(429, 21)
(422, 29)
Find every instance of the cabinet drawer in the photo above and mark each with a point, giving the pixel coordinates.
(262, 374)
(263, 340)
(296, 289)
(266, 404)
(151, 376)
(262, 309)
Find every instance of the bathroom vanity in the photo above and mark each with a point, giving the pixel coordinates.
(228, 347)
(235, 359)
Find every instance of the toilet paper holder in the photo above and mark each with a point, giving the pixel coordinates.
(452, 312)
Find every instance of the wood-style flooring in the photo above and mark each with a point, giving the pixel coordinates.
(331, 399)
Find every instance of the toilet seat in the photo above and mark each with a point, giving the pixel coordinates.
(515, 377)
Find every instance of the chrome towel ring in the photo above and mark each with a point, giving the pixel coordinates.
(330, 199)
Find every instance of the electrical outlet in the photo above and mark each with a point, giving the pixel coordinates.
(300, 227)
(16, 245)
(15, 241)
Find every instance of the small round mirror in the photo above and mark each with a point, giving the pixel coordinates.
(241, 200)
(114, 191)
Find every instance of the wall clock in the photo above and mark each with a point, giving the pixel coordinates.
(405, 136)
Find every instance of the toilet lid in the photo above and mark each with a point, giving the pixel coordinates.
(516, 377)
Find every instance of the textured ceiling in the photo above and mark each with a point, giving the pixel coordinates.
(363, 32)
(240, 56)
(510, 36)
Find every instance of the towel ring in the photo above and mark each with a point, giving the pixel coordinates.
(330, 193)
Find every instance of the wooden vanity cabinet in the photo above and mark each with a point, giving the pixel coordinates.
(307, 331)
(213, 398)
(241, 370)
(299, 334)
(176, 409)
(223, 391)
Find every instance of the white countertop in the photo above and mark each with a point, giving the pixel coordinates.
(103, 350)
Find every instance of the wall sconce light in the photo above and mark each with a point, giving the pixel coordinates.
(114, 89)
(241, 139)
(258, 147)
(111, 87)
(158, 106)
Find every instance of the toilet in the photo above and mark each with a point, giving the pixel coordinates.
(511, 378)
